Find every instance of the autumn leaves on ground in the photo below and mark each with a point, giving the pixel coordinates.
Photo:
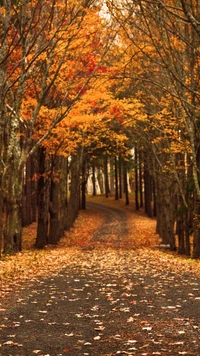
(31, 262)
(106, 289)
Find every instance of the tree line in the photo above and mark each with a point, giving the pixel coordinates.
(83, 81)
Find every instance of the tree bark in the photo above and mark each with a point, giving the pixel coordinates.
(141, 180)
(136, 180)
(106, 176)
(148, 192)
(165, 210)
(196, 224)
(63, 193)
(116, 180)
(43, 201)
(74, 199)
(125, 183)
(13, 225)
(93, 179)
(83, 185)
(54, 207)
(120, 176)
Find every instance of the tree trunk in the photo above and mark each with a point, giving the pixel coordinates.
(112, 176)
(100, 180)
(125, 183)
(63, 193)
(148, 192)
(74, 199)
(26, 201)
(93, 179)
(141, 180)
(1, 220)
(120, 177)
(43, 201)
(188, 226)
(33, 188)
(54, 207)
(136, 181)
(106, 176)
(196, 219)
(165, 210)
(181, 234)
(83, 186)
(116, 180)
(13, 225)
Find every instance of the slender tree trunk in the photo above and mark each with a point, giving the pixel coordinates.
(125, 183)
(112, 176)
(54, 207)
(181, 234)
(93, 179)
(141, 180)
(106, 176)
(136, 180)
(43, 201)
(83, 186)
(26, 201)
(154, 200)
(196, 220)
(100, 180)
(120, 176)
(116, 180)
(34, 188)
(148, 192)
(74, 199)
(63, 193)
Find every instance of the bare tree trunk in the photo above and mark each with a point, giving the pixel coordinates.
(112, 176)
(165, 210)
(33, 187)
(100, 180)
(125, 183)
(83, 185)
(106, 176)
(120, 176)
(148, 192)
(141, 180)
(26, 200)
(74, 199)
(13, 181)
(43, 202)
(54, 207)
(196, 224)
(13, 225)
(63, 193)
(116, 180)
(93, 179)
(136, 181)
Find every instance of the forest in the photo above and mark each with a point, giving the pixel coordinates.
(101, 89)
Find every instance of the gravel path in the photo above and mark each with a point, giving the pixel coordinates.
(108, 302)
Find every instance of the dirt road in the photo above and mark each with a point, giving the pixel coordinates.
(108, 301)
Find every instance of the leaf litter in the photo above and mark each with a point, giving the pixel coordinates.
(88, 298)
